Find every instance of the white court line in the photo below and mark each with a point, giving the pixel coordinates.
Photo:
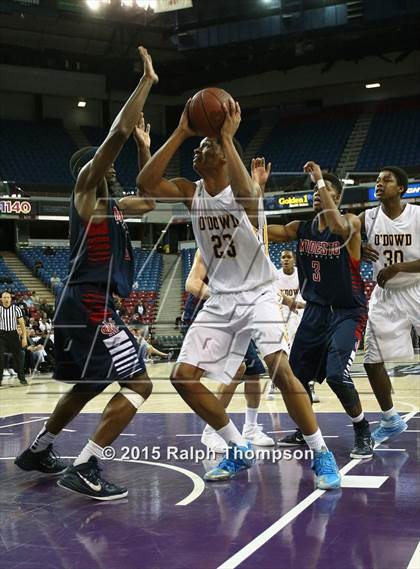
(190, 435)
(198, 482)
(127, 435)
(390, 449)
(415, 560)
(277, 526)
(23, 422)
(5, 434)
(412, 431)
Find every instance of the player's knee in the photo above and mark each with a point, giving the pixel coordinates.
(183, 376)
(346, 392)
(140, 385)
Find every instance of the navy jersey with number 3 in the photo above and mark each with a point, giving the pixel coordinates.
(328, 275)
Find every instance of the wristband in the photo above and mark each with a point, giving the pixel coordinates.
(320, 184)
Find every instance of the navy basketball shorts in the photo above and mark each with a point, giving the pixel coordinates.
(326, 342)
(254, 365)
(92, 344)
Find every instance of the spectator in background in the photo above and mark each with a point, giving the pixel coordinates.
(49, 251)
(54, 280)
(38, 266)
(47, 308)
(141, 309)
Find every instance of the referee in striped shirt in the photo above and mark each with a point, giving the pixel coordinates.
(10, 317)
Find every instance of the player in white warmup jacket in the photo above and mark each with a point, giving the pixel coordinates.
(393, 233)
(228, 221)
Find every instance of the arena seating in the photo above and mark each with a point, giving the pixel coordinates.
(15, 285)
(393, 137)
(320, 137)
(35, 153)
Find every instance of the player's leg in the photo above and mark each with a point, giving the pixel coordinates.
(252, 391)
(186, 380)
(40, 454)
(252, 431)
(300, 409)
(272, 345)
(308, 358)
(387, 338)
(342, 347)
(84, 477)
(225, 392)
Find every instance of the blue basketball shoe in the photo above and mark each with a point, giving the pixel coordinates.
(327, 476)
(238, 458)
(389, 429)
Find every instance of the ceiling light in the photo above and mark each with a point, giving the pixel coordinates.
(372, 85)
(81, 103)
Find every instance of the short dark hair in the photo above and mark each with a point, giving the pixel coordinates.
(334, 181)
(400, 175)
(332, 178)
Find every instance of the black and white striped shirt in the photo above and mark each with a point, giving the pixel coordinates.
(9, 317)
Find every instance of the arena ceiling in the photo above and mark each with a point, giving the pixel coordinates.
(214, 41)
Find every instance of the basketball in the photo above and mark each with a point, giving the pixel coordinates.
(205, 113)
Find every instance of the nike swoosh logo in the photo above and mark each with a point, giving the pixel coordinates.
(94, 487)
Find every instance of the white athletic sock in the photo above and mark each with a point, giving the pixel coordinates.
(91, 449)
(251, 415)
(230, 433)
(316, 441)
(42, 440)
(358, 418)
(208, 430)
(388, 414)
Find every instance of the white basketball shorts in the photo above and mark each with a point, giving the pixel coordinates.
(392, 313)
(219, 337)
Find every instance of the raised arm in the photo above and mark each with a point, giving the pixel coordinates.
(243, 186)
(94, 171)
(195, 282)
(151, 181)
(283, 233)
(343, 225)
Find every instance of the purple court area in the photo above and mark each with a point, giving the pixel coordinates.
(43, 526)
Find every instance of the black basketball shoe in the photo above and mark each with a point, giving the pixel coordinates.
(293, 440)
(363, 445)
(45, 461)
(86, 479)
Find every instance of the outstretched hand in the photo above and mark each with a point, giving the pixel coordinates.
(260, 172)
(142, 133)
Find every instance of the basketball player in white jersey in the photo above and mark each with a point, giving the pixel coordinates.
(228, 219)
(393, 230)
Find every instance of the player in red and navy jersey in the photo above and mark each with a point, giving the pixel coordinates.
(93, 347)
(328, 260)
